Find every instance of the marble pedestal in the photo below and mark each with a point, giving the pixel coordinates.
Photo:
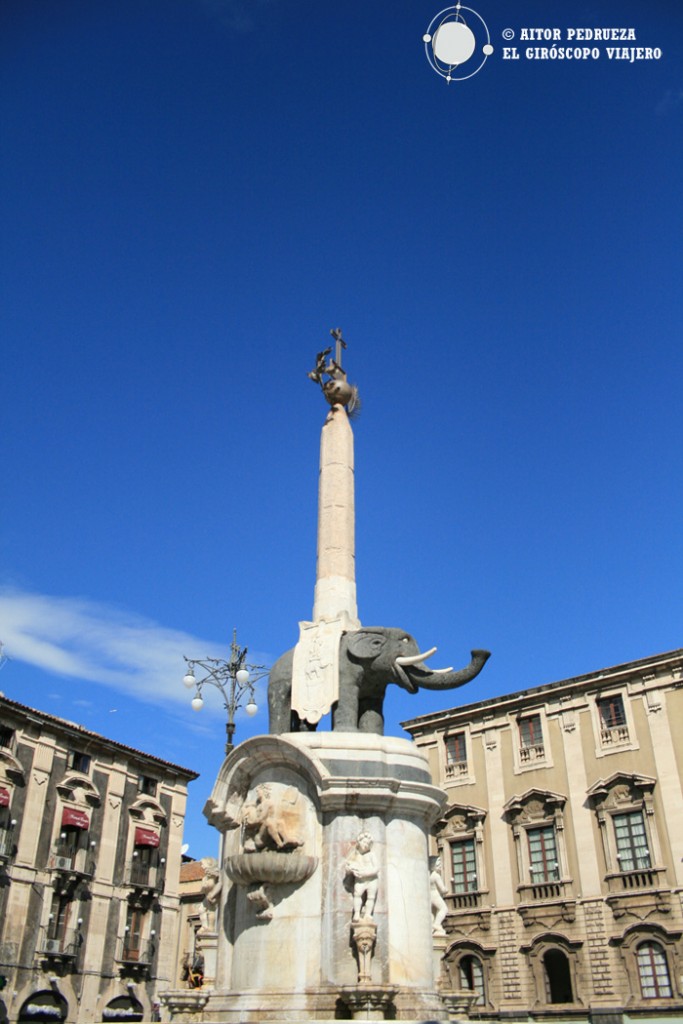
(290, 809)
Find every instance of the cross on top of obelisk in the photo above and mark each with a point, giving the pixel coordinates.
(336, 388)
(339, 345)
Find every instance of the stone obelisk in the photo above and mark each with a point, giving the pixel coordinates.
(335, 586)
(324, 909)
(315, 679)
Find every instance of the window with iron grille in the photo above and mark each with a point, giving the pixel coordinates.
(612, 711)
(633, 852)
(6, 737)
(543, 862)
(653, 971)
(464, 865)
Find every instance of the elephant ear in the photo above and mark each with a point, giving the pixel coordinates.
(364, 644)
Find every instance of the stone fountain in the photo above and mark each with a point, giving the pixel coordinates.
(324, 910)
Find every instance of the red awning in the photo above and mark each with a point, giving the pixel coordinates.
(4, 797)
(146, 837)
(75, 818)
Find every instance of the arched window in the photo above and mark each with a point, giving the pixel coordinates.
(471, 973)
(557, 976)
(554, 961)
(653, 971)
(45, 1005)
(652, 960)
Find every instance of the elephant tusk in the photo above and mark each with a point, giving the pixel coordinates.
(441, 671)
(415, 659)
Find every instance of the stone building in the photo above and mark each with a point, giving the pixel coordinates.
(190, 922)
(90, 852)
(562, 845)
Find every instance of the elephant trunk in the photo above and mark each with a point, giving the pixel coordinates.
(418, 675)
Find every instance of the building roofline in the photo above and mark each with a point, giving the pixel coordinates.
(80, 731)
(625, 669)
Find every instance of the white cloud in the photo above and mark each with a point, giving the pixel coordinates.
(670, 101)
(82, 639)
(240, 16)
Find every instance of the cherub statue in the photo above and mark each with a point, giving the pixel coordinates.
(361, 864)
(211, 890)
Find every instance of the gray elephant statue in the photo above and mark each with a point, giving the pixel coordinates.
(369, 659)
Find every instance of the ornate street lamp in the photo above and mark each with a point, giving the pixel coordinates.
(234, 679)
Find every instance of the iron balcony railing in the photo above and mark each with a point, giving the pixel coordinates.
(135, 951)
(146, 876)
(73, 862)
(65, 946)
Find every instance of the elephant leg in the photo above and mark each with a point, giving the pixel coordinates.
(345, 714)
(280, 718)
(280, 695)
(370, 718)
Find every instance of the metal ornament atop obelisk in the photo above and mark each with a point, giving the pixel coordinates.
(315, 676)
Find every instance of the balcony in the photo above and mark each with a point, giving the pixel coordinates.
(73, 864)
(63, 948)
(546, 890)
(456, 770)
(135, 955)
(639, 878)
(147, 877)
(468, 910)
(544, 901)
(645, 889)
(463, 900)
(614, 736)
(531, 754)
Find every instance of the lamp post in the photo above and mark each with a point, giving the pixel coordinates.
(233, 678)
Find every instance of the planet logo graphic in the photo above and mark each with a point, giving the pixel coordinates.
(455, 37)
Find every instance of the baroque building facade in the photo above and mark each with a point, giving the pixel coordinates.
(562, 846)
(90, 852)
(189, 958)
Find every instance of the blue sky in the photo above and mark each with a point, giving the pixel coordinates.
(192, 193)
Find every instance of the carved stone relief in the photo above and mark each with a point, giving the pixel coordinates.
(275, 822)
(534, 805)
